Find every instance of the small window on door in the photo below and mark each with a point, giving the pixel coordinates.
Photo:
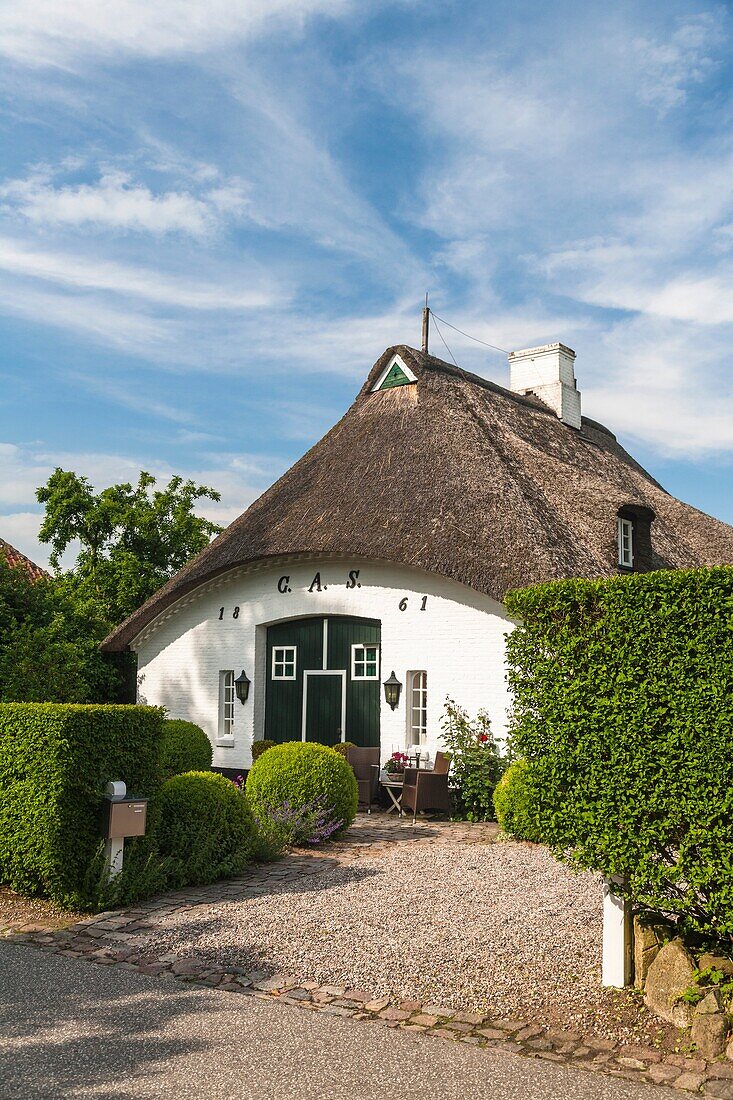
(365, 662)
(284, 659)
(417, 708)
(625, 542)
(226, 706)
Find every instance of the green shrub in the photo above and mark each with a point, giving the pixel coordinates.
(475, 762)
(205, 828)
(299, 772)
(185, 748)
(343, 747)
(258, 747)
(55, 762)
(623, 706)
(515, 803)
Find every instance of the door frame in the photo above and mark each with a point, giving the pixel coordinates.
(324, 672)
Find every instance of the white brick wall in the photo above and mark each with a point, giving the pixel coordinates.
(458, 639)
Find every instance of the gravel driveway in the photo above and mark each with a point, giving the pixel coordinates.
(493, 926)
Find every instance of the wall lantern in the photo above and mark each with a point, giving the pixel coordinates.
(241, 686)
(392, 689)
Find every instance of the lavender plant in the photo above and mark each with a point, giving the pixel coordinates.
(289, 825)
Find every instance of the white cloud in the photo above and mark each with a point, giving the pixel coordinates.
(46, 32)
(84, 272)
(685, 57)
(117, 203)
(663, 382)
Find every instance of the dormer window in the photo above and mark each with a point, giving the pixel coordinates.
(396, 373)
(625, 542)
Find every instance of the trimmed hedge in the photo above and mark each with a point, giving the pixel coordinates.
(342, 747)
(55, 762)
(205, 828)
(185, 748)
(623, 706)
(258, 747)
(298, 772)
(515, 803)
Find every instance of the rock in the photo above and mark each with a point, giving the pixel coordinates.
(646, 949)
(729, 1051)
(669, 976)
(709, 1033)
(710, 1004)
(716, 962)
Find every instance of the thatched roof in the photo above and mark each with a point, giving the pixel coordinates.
(15, 558)
(457, 476)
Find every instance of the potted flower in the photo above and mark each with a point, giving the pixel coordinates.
(395, 766)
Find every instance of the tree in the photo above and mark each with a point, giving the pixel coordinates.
(49, 643)
(131, 538)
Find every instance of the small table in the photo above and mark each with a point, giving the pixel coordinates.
(392, 786)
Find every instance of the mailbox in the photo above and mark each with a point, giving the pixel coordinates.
(127, 817)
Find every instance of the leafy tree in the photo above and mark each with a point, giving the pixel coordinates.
(49, 643)
(131, 539)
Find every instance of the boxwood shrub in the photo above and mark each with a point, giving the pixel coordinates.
(623, 707)
(185, 748)
(55, 762)
(515, 803)
(205, 829)
(298, 773)
(258, 747)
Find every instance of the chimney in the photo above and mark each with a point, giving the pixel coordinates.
(548, 372)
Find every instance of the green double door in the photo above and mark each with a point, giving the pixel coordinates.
(322, 680)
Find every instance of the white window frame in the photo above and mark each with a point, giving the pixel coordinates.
(625, 552)
(293, 659)
(227, 708)
(364, 646)
(409, 375)
(421, 686)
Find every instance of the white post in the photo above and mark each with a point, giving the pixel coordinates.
(114, 853)
(114, 848)
(617, 933)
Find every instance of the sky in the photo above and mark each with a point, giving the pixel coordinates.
(216, 214)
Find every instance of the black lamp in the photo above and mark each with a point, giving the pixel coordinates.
(241, 686)
(392, 689)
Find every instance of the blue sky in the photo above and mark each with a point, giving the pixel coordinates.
(214, 216)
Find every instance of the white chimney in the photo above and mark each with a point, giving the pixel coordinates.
(548, 372)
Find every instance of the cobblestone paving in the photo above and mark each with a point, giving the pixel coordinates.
(117, 938)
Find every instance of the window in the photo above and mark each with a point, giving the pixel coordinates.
(283, 662)
(417, 711)
(365, 662)
(226, 707)
(625, 542)
(396, 373)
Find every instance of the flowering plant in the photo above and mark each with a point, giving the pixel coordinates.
(288, 825)
(475, 763)
(397, 763)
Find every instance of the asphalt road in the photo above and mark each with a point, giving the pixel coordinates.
(74, 1029)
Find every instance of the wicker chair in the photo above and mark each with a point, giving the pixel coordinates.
(365, 765)
(424, 790)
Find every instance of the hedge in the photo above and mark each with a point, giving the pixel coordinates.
(205, 829)
(55, 762)
(515, 803)
(298, 773)
(623, 707)
(185, 748)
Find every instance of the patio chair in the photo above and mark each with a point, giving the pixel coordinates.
(365, 765)
(427, 790)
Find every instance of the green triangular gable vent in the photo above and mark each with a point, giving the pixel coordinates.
(395, 377)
